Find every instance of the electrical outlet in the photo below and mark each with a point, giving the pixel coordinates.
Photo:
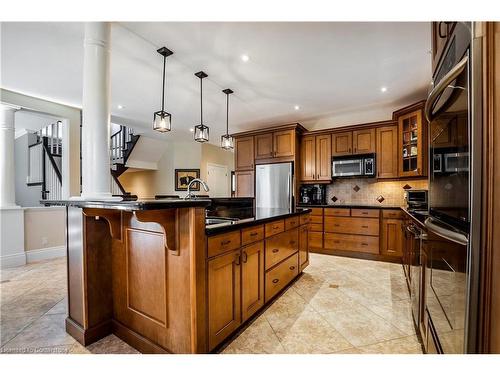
(45, 241)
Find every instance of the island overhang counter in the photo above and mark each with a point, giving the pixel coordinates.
(144, 271)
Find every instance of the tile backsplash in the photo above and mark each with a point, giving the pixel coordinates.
(370, 191)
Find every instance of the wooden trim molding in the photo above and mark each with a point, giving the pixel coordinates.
(113, 217)
(298, 127)
(169, 223)
(489, 324)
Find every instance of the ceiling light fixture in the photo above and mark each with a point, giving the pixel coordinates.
(296, 107)
(383, 89)
(245, 58)
(120, 106)
(191, 130)
(162, 121)
(226, 141)
(201, 132)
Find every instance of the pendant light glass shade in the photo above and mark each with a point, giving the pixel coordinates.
(162, 121)
(226, 141)
(201, 132)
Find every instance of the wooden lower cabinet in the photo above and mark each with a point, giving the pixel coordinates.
(392, 237)
(278, 277)
(303, 247)
(352, 242)
(281, 246)
(252, 279)
(315, 240)
(352, 225)
(224, 296)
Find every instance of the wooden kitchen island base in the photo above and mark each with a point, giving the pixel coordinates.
(147, 272)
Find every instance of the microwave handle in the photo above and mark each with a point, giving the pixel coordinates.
(442, 85)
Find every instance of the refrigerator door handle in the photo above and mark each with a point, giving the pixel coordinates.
(289, 190)
(451, 235)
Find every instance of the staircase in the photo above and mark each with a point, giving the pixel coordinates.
(121, 145)
(45, 160)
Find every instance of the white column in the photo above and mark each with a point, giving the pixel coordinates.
(7, 177)
(11, 216)
(96, 174)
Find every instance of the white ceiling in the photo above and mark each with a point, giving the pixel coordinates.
(333, 71)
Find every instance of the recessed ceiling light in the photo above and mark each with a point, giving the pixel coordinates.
(383, 89)
(120, 106)
(245, 58)
(296, 107)
(191, 130)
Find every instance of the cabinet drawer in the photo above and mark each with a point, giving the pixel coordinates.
(223, 242)
(275, 227)
(305, 219)
(315, 240)
(291, 222)
(352, 225)
(316, 211)
(392, 214)
(337, 211)
(252, 234)
(363, 212)
(281, 275)
(316, 227)
(317, 219)
(350, 242)
(281, 246)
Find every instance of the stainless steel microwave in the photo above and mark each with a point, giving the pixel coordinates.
(354, 165)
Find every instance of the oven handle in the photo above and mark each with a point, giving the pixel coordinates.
(442, 85)
(451, 235)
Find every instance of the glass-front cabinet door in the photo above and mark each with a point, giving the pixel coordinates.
(412, 145)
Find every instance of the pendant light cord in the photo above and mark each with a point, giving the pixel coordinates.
(163, 88)
(227, 115)
(201, 101)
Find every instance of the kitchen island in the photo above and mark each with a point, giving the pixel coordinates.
(152, 272)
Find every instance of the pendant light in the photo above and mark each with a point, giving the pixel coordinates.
(201, 132)
(162, 121)
(226, 141)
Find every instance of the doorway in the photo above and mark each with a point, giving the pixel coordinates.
(218, 180)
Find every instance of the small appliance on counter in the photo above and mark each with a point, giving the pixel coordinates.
(353, 166)
(416, 201)
(312, 194)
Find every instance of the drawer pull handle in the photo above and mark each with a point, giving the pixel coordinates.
(364, 244)
(336, 241)
(245, 257)
(364, 226)
(276, 227)
(364, 213)
(276, 250)
(227, 242)
(275, 281)
(292, 267)
(336, 225)
(292, 242)
(238, 260)
(254, 234)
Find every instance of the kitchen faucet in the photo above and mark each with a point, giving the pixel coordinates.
(202, 183)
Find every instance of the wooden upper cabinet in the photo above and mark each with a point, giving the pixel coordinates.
(324, 157)
(244, 183)
(308, 158)
(224, 296)
(363, 141)
(284, 143)
(264, 146)
(413, 144)
(342, 143)
(387, 152)
(244, 153)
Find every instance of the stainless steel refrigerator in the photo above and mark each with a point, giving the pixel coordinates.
(273, 186)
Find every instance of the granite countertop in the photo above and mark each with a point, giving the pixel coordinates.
(347, 205)
(262, 215)
(127, 205)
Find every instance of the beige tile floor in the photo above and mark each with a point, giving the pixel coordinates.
(339, 305)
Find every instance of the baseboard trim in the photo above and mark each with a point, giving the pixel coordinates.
(43, 254)
(88, 336)
(136, 340)
(13, 260)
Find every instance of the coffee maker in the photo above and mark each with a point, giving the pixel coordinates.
(312, 194)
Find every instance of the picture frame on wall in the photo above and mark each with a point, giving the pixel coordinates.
(184, 176)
